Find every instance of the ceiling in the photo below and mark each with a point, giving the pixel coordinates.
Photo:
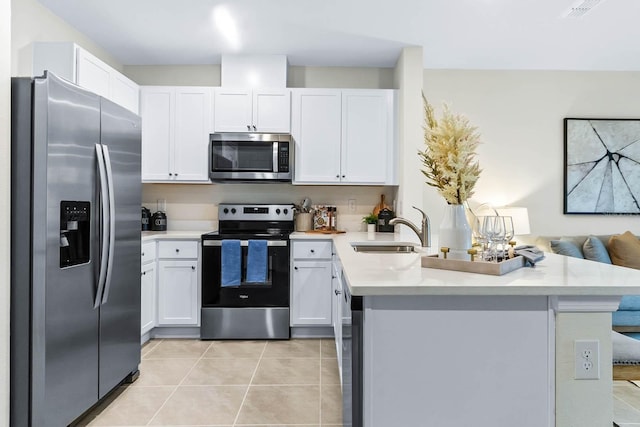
(455, 34)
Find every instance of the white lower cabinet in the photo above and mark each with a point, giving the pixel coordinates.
(178, 290)
(311, 293)
(336, 296)
(177, 293)
(148, 297)
(148, 286)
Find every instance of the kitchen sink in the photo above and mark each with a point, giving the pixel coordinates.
(378, 249)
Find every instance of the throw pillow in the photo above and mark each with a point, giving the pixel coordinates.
(624, 250)
(594, 249)
(566, 247)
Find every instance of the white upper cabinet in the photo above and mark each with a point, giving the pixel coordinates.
(71, 62)
(252, 110)
(344, 136)
(316, 129)
(93, 74)
(176, 123)
(366, 136)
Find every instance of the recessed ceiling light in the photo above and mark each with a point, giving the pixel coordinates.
(581, 8)
(227, 26)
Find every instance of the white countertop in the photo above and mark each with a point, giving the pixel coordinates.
(173, 235)
(402, 274)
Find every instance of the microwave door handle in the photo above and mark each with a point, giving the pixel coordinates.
(104, 226)
(275, 157)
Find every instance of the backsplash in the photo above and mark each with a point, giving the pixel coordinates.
(195, 207)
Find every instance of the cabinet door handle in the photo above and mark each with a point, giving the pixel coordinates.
(170, 174)
(342, 176)
(254, 127)
(338, 176)
(248, 127)
(177, 250)
(337, 291)
(295, 268)
(313, 251)
(142, 253)
(193, 267)
(176, 174)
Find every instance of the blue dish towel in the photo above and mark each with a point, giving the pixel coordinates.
(257, 261)
(231, 263)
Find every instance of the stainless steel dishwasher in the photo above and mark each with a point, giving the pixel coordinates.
(352, 345)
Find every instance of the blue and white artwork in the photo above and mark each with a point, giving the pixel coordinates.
(602, 166)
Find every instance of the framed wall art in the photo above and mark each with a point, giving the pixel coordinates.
(602, 166)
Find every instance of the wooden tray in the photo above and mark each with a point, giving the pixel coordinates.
(325, 231)
(481, 267)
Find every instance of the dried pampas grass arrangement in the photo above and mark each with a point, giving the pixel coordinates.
(449, 157)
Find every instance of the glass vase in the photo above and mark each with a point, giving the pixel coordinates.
(455, 232)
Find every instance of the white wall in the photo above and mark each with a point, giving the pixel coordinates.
(5, 200)
(408, 81)
(174, 75)
(340, 77)
(209, 75)
(33, 22)
(520, 116)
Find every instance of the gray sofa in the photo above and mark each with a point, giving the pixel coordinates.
(627, 318)
(625, 321)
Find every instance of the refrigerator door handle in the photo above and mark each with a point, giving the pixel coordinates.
(112, 223)
(104, 238)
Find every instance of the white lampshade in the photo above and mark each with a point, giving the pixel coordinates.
(520, 217)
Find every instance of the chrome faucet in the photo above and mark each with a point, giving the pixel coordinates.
(423, 233)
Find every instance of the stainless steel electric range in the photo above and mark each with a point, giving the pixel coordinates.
(247, 309)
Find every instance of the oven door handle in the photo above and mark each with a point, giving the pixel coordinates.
(245, 243)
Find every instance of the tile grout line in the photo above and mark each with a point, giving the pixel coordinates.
(179, 384)
(255, 370)
(320, 400)
(625, 401)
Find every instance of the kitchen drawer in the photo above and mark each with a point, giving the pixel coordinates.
(178, 249)
(148, 252)
(312, 249)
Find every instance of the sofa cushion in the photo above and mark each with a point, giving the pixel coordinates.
(630, 302)
(594, 249)
(624, 250)
(566, 247)
(626, 350)
(626, 317)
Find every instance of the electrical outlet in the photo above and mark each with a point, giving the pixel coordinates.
(587, 359)
(352, 205)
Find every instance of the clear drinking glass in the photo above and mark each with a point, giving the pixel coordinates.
(479, 239)
(508, 234)
(493, 230)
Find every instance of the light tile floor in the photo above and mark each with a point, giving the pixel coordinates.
(228, 383)
(626, 404)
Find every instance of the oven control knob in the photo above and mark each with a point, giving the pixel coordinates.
(226, 210)
(277, 211)
(233, 210)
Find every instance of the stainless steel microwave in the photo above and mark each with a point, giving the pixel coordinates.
(250, 157)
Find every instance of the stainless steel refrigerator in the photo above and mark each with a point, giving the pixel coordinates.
(75, 250)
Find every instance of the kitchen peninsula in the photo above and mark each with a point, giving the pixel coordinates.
(445, 348)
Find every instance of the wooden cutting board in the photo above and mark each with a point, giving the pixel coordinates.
(380, 206)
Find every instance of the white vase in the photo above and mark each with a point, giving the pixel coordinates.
(455, 232)
(371, 228)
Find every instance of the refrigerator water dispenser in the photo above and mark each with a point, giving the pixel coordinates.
(74, 233)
